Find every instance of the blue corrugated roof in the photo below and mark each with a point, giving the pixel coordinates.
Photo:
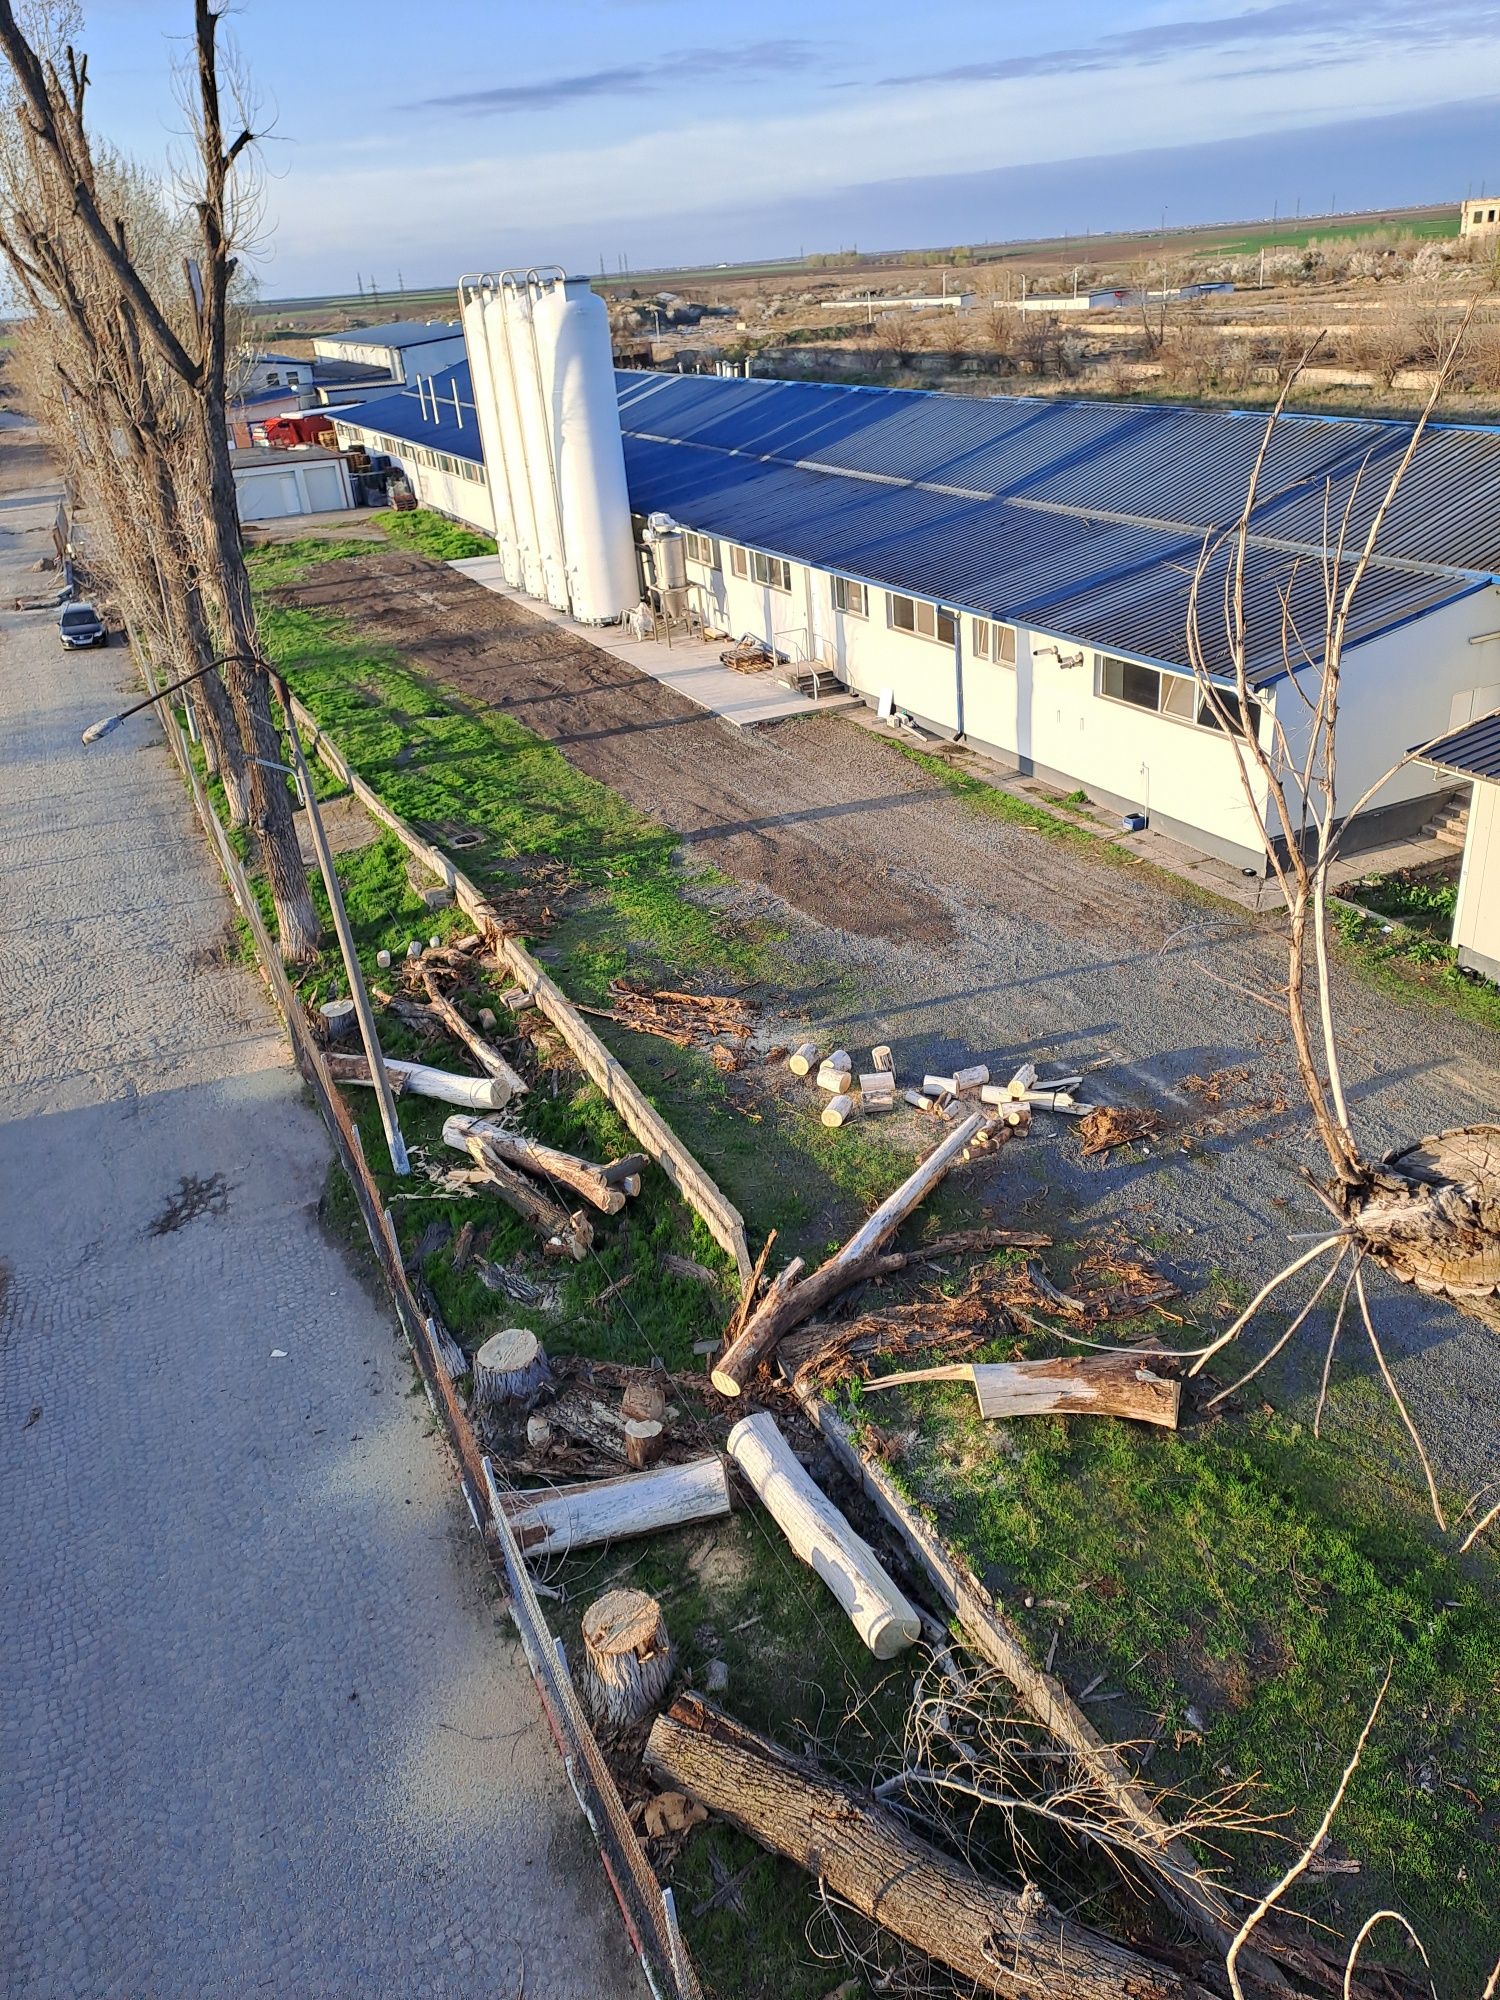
(397, 333)
(1084, 519)
(408, 415)
(1473, 751)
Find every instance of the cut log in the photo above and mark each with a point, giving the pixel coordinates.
(822, 1538)
(836, 1080)
(940, 1086)
(338, 1019)
(1003, 1943)
(877, 1083)
(839, 1110)
(514, 1149)
(483, 1093)
(838, 1059)
(645, 1399)
(645, 1441)
(1023, 1079)
(918, 1100)
(880, 1101)
(511, 1367)
(627, 1657)
(787, 1306)
(882, 1059)
(967, 1081)
(562, 1235)
(553, 1519)
(1191, 1895)
(802, 1058)
(1094, 1385)
(489, 1059)
(538, 1433)
(630, 1167)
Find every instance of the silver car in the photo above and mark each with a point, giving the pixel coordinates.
(80, 625)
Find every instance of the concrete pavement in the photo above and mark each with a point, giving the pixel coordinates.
(264, 1729)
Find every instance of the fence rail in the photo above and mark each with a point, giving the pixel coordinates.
(647, 1910)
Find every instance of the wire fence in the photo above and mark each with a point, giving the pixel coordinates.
(647, 1909)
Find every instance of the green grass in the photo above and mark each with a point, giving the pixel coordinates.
(1241, 1567)
(989, 800)
(1297, 235)
(1409, 960)
(433, 534)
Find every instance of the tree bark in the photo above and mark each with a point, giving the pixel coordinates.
(645, 1441)
(627, 1657)
(417, 1077)
(1094, 1385)
(489, 1059)
(562, 1234)
(1007, 1944)
(822, 1538)
(788, 1305)
(511, 1367)
(514, 1149)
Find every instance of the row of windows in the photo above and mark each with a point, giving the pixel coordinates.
(418, 454)
(773, 571)
(1168, 694)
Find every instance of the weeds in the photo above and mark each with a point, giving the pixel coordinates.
(433, 534)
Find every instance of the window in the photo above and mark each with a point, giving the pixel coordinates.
(771, 570)
(293, 379)
(995, 642)
(851, 597)
(739, 562)
(700, 549)
(912, 614)
(1174, 695)
(1125, 680)
(273, 380)
(1241, 721)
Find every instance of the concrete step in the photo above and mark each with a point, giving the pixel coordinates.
(817, 683)
(1450, 824)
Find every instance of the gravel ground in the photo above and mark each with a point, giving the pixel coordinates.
(961, 934)
(264, 1729)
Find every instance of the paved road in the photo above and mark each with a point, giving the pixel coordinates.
(261, 1730)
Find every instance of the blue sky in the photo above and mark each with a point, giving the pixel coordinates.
(428, 141)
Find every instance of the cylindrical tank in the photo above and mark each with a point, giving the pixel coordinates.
(668, 564)
(588, 455)
(545, 569)
(487, 338)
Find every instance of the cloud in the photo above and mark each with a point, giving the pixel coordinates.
(1350, 21)
(625, 79)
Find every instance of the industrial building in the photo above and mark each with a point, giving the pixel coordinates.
(401, 350)
(1011, 571)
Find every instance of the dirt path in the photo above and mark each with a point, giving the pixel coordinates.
(916, 920)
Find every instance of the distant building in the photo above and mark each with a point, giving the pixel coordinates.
(1479, 216)
(1472, 751)
(403, 349)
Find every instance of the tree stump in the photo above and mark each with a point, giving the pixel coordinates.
(644, 1399)
(511, 1367)
(644, 1443)
(338, 1019)
(628, 1657)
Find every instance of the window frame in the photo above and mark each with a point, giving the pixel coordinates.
(1199, 716)
(994, 642)
(840, 589)
(763, 570)
(739, 561)
(938, 614)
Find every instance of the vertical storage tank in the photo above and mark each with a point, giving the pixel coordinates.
(487, 336)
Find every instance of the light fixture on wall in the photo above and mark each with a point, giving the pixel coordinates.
(1063, 659)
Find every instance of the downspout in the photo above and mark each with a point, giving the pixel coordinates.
(958, 674)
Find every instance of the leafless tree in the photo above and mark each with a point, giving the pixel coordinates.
(1429, 1214)
(188, 340)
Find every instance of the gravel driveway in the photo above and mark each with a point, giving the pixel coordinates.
(960, 933)
(264, 1730)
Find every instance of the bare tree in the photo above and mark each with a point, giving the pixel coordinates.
(193, 349)
(1429, 1214)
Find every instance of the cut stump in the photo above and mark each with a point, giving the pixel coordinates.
(628, 1657)
(511, 1367)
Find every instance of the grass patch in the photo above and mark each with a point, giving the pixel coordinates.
(1411, 961)
(432, 534)
(1425, 906)
(988, 799)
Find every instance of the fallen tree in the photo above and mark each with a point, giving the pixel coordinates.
(491, 1143)
(1097, 1385)
(1007, 1943)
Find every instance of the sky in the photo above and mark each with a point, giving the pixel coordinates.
(413, 143)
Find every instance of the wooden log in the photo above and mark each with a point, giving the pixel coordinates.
(881, 1058)
(880, 1101)
(627, 1657)
(514, 1149)
(645, 1441)
(1193, 1897)
(338, 1019)
(629, 1167)
(918, 1100)
(802, 1058)
(839, 1110)
(998, 1941)
(1023, 1079)
(511, 1367)
(489, 1059)
(1049, 1100)
(1093, 1385)
(552, 1519)
(783, 1309)
(482, 1093)
(877, 1083)
(645, 1399)
(835, 1080)
(563, 1235)
(940, 1086)
(822, 1538)
(967, 1081)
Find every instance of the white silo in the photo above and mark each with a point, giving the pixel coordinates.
(487, 335)
(547, 570)
(588, 456)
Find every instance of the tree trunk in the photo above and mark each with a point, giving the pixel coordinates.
(511, 1367)
(822, 1538)
(419, 1079)
(562, 1234)
(1095, 1385)
(1007, 1944)
(554, 1519)
(627, 1657)
(645, 1440)
(514, 1149)
(489, 1059)
(786, 1306)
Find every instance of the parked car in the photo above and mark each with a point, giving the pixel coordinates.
(80, 625)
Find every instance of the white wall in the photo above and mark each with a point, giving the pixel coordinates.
(1476, 921)
(465, 499)
(402, 364)
(289, 485)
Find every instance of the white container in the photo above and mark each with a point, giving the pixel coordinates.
(487, 337)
